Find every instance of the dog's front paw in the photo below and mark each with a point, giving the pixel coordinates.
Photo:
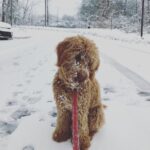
(60, 136)
(84, 142)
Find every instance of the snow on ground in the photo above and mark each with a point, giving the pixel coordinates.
(27, 108)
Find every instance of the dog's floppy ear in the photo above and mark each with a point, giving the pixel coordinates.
(93, 67)
(94, 64)
(60, 51)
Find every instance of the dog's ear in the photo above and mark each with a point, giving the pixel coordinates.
(94, 65)
(61, 47)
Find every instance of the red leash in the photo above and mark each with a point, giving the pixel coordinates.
(75, 135)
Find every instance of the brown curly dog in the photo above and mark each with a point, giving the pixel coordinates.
(77, 62)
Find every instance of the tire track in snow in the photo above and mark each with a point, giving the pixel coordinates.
(139, 81)
(134, 49)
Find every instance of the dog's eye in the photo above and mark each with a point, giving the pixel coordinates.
(78, 58)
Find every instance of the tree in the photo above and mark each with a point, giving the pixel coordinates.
(4, 10)
(147, 15)
(69, 21)
(94, 11)
(148, 6)
(25, 11)
(125, 7)
(9, 9)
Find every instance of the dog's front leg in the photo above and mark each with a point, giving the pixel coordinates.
(63, 129)
(83, 129)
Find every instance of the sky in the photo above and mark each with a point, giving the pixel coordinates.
(58, 7)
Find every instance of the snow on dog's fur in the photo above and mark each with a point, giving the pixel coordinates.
(77, 62)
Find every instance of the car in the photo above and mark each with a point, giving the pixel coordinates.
(5, 31)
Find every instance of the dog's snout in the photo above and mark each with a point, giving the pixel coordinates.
(81, 77)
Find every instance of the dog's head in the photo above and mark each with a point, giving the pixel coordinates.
(77, 60)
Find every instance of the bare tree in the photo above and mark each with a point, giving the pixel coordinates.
(125, 7)
(4, 10)
(148, 6)
(26, 11)
(9, 9)
(136, 10)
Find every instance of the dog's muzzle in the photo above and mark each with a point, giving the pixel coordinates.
(81, 77)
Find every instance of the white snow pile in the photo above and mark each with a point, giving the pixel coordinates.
(27, 108)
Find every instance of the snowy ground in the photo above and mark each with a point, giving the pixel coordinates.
(27, 108)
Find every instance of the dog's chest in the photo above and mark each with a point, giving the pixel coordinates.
(65, 101)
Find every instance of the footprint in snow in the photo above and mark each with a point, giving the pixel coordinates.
(28, 81)
(106, 99)
(16, 58)
(28, 147)
(53, 113)
(108, 90)
(32, 100)
(34, 68)
(21, 112)
(16, 64)
(17, 93)
(143, 93)
(11, 103)
(148, 99)
(7, 128)
(19, 85)
(50, 101)
(53, 124)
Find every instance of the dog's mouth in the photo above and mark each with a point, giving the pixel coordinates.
(77, 80)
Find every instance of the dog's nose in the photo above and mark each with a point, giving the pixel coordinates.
(81, 77)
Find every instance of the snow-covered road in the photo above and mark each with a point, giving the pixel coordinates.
(140, 82)
(27, 108)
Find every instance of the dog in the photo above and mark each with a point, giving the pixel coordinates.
(77, 61)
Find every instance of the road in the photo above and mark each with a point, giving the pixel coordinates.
(27, 108)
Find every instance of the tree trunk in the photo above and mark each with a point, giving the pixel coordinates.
(4, 11)
(148, 6)
(108, 3)
(142, 18)
(11, 12)
(125, 7)
(136, 6)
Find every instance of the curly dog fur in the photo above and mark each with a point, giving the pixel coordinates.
(77, 63)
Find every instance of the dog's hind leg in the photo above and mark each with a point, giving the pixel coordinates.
(63, 126)
(84, 131)
(95, 119)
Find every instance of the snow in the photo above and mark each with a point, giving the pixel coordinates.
(5, 25)
(27, 108)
